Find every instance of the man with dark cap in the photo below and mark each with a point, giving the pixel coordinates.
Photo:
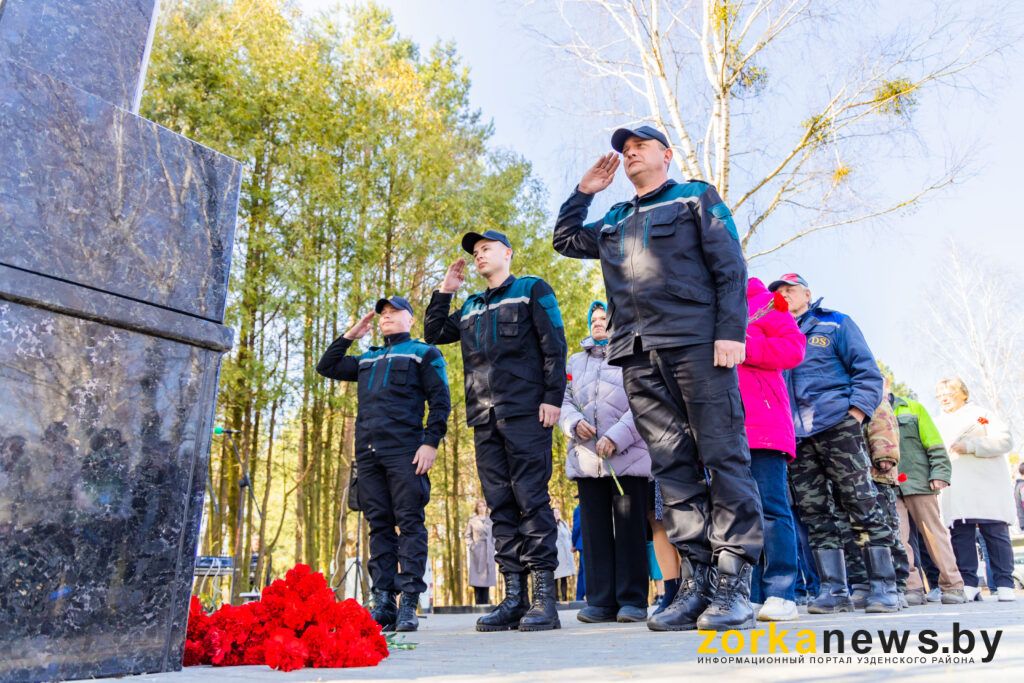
(676, 282)
(513, 351)
(394, 451)
(832, 392)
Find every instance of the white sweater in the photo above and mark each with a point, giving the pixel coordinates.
(981, 486)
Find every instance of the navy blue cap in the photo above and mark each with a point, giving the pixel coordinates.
(396, 301)
(788, 279)
(470, 239)
(620, 136)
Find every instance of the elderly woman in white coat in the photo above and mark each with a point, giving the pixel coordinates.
(604, 442)
(980, 493)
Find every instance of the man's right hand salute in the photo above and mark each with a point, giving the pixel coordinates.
(359, 330)
(601, 174)
(454, 278)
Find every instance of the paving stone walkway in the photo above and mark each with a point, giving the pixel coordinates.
(448, 649)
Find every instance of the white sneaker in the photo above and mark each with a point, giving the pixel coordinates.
(972, 593)
(934, 595)
(778, 609)
(1006, 594)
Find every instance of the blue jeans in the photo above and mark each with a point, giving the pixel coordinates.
(775, 575)
(807, 582)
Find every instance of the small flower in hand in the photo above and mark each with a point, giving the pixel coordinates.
(780, 303)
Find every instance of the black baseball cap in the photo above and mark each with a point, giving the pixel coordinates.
(470, 239)
(620, 136)
(396, 301)
(788, 279)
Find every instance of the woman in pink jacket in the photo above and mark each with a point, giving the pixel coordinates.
(774, 344)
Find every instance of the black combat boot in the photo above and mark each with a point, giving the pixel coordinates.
(385, 609)
(882, 596)
(859, 595)
(692, 598)
(833, 595)
(543, 614)
(730, 607)
(407, 619)
(506, 616)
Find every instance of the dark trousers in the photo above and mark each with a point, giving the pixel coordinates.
(393, 495)
(513, 460)
(613, 534)
(775, 575)
(562, 586)
(690, 414)
(481, 595)
(1000, 551)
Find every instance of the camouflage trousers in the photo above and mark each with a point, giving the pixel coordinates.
(856, 572)
(834, 467)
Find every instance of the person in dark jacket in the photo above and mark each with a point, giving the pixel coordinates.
(513, 352)
(676, 281)
(831, 393)
(394, 451)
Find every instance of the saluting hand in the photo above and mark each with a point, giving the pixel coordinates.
(729, 354)
(424, 459)
(359, 330)
(454, 278)
(601, 174)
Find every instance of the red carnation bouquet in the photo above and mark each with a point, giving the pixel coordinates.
(297, 622)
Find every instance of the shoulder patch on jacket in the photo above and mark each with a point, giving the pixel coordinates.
(722, 213)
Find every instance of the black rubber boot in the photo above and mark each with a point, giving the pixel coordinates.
(833, 596)
(730, 607)
(543, 614)
(882, 596)
(385, 609)
(507, 614)
(692, 598)
(671, 588)
(407, 619)
(859, 595)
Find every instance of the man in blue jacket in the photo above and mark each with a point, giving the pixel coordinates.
(513, 352)
(676, 282)
(832, 392)
(394, 451)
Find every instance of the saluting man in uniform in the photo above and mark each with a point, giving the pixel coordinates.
(676, 281)
(513, 350)
(394, 451)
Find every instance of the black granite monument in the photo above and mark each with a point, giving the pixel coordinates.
(115, 244)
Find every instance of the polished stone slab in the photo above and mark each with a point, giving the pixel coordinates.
(104, 445)
(22, 286)
(97, 196)
(99, 46)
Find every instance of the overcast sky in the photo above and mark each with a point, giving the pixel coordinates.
(882, 277)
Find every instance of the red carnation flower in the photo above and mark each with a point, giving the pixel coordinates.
(285, 652)
(568, 377)
(780, 303)
(983, 420)
(902, 478)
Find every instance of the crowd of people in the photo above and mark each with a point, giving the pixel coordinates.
(737, 440)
